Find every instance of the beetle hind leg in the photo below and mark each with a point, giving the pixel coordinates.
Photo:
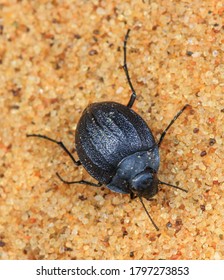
(133, 95)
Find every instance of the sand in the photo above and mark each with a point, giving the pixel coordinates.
(56, 57)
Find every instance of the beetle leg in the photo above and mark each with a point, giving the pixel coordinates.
(133, 196)
(133, 94)
(59, 143)
(171, 123)
(83, 182)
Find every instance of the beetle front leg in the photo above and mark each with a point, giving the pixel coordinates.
(83, 182)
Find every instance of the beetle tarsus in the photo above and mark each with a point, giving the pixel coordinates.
(133, 196)
(59, 143)
(133, 95)
(171, 123)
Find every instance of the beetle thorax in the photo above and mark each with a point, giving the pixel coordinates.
(137, 173)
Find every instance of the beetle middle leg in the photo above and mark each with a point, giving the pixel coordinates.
(59, 143)
(133, 94)
(171, 123)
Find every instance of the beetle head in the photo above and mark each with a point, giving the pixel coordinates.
(145, 184)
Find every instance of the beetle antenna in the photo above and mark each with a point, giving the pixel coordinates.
(173, 186)
(140, 198)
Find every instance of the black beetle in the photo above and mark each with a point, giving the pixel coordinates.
(117, 148)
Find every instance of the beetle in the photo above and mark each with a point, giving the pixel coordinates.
(117, 148)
